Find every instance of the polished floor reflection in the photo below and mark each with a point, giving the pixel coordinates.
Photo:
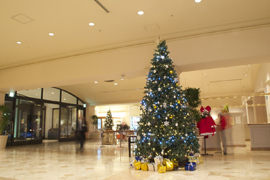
(54, 160)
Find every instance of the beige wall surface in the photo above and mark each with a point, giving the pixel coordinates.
(263, 78)
(2, 98)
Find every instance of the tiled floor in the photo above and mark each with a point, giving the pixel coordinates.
(53, 160)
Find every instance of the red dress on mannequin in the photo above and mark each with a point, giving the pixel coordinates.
(206, 125)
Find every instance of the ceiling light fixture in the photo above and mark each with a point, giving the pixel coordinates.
(123, 77)
(51, 34)
(197, 1)
(96, 82)
(115, 84)
(245, 74)
(52, 92)
(140, 12)
(19, 42)
(91, 24)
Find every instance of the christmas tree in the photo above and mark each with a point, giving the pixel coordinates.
(165, 126)
(109, 121)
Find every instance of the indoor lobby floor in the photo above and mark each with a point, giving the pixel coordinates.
(54, 160)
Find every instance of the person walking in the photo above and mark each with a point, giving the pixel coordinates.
(81, 131)
(223, 125)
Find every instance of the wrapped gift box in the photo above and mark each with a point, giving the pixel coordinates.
(137, 165)
(191, 166)
(169, 165)
(138, 158)
(156, 166)
(161, 168)
(144, 166)
(151, 166)
(132, 163)
(158, 159)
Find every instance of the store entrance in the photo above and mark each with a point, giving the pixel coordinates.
(68, 122)
(51, 123)
(28, 122)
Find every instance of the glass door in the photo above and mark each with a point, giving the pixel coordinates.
(68, 122)
(28, 121)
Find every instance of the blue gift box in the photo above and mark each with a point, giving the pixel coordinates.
(191, 166)
(138, 158)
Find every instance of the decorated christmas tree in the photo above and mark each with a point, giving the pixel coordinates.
(109, 121)
(165, 127)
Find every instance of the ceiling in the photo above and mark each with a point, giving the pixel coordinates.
(177, 21)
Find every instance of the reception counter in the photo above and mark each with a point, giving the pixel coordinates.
(235, 135)
(260, 137)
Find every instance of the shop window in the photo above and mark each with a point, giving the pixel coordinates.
(32, 93)
(80, 103)
(68, 98)
(51, 94)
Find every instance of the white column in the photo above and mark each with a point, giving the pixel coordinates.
(90, 111)
(267, 102)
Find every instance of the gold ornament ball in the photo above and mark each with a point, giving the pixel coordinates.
(171, 71)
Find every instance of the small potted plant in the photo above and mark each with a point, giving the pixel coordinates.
(4, 120)
(95, 118)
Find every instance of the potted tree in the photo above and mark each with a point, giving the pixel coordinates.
(95, 118)
(4, 120)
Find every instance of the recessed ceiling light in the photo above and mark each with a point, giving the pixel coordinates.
(245, 74)
(19, 42)
(140, 12)
(51, 34)
(115, 84)
(52, 92)
(122, 79)
(91, 24)
(64, 99)
(96, 82)
(197, 1)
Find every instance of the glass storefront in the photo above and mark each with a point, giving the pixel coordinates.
(28, 121)
(40, 114)
(68, 121)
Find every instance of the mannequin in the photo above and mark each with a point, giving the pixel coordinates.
(206, 125)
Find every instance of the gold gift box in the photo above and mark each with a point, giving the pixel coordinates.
(137, 165)
(161, 168)
(175, 163)
(144, 166)
(169, 165)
